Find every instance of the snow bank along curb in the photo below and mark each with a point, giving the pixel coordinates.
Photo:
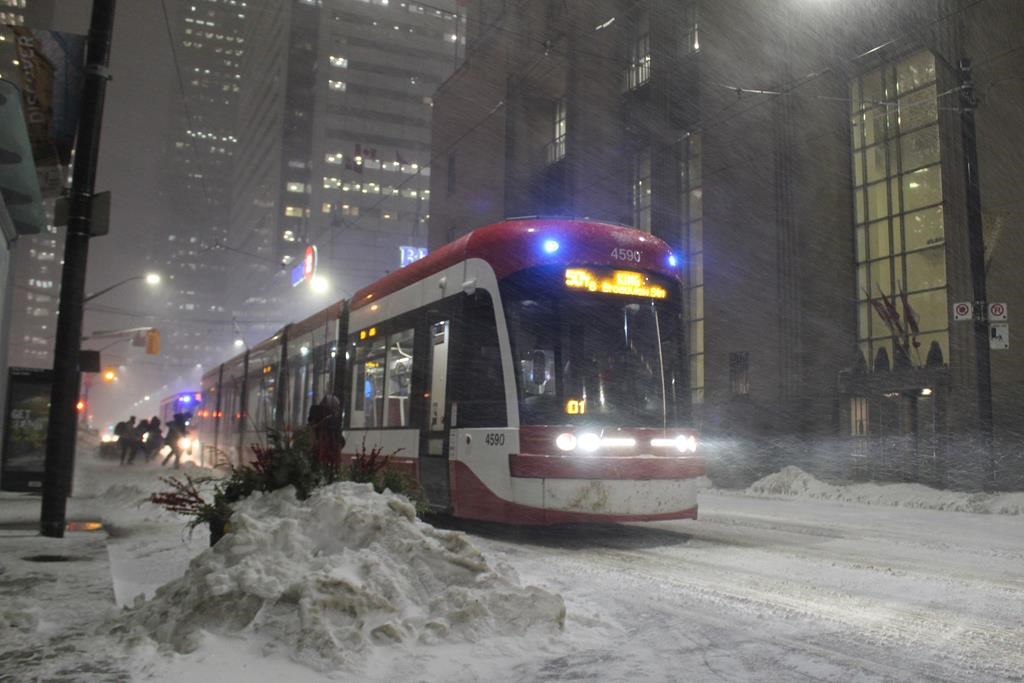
(328, 577)
(793, 482)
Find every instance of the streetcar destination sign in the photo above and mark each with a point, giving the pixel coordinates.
(620, 282)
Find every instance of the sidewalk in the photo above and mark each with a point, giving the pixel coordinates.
(54, 591)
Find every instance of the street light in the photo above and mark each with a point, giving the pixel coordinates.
(150, 278)
(319, 285)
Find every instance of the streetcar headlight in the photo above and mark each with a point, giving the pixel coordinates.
(682, 443)
(566, 442)
(109, 438)
(588, 442)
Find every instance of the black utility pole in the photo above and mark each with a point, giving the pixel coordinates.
(62, 432)
(976, 244)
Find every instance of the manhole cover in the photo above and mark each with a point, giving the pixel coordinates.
(49, 558)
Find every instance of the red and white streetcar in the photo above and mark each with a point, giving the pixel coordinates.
(532, 372)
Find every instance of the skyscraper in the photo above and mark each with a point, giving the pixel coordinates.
(209, 46)
(335, 143)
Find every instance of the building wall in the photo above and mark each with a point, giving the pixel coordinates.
(766, 91)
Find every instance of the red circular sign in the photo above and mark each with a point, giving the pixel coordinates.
(998, 310)
(962, 309)
(309, 263)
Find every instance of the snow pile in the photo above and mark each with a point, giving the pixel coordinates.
(794, 482)
(326, 578)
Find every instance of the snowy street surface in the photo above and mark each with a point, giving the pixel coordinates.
(794, 585)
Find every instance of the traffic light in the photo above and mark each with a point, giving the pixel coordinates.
(109, 375)
(153, 342)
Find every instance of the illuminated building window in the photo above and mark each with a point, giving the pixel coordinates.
(295, 187)
(899, 233)
(339, 62)
(639, 70)
(691, 210)
(689, 30)
(288, 236)
(859, 420)
(340, 86)
(556, 149)
(642, 190)
(293, 211)
(338, 158)
(332, 183)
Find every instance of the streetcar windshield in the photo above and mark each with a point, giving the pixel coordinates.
(608, 358)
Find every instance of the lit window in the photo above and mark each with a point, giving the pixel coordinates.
(899, 233)
(691, 209)
(642, 190)
(689, 33)
(332, 183)
(339, 86)
(639, 71)
(339, 62)
(556, 149)
(295, 187)
(293, 211)
(288, 236)
(334, 158)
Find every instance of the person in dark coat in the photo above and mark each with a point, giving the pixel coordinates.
(137, 440)
(176, 431)
(154, 438)
(125, 438)
(328, 440)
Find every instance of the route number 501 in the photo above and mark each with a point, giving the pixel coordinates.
(624, 254)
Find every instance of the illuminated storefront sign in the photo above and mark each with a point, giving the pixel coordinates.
(620, 282)
(410, 254)
(305, 270)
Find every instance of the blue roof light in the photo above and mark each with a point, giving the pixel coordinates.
(672, 260)
(185, 399)
(550, 246)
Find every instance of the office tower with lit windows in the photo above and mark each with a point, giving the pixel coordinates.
(209, 46)
(807, 160)
(335, 143)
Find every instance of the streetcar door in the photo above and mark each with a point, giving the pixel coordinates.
(433, 462)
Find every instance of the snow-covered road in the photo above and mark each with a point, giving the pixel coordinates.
(762, 589)
(759, 588)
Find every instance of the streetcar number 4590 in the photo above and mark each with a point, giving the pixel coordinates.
(624, 254)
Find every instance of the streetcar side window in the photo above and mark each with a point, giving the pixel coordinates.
(368, 385)
(479, 385)
(398, 379)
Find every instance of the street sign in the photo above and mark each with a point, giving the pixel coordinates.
(963, 310)
(997, 312)
(999, 336)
